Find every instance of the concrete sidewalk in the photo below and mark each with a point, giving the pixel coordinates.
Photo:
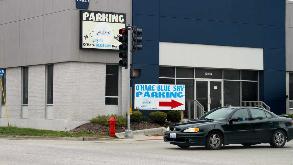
(146, 132)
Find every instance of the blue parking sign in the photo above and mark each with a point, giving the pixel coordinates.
(2, 72)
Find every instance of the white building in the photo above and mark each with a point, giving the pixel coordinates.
(50, 82)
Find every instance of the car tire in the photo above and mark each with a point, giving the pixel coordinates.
(183, 146)
(214, 141)
(278, 139)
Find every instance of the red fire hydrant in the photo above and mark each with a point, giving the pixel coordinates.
(112, 126)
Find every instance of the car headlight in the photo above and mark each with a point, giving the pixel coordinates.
(192, 130)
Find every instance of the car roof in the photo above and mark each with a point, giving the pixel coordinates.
(240, 107)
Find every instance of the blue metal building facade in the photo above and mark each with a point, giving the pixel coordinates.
(240, 23)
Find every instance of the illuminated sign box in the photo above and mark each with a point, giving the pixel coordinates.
(100, 30)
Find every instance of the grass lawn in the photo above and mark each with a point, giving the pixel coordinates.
(14, 131)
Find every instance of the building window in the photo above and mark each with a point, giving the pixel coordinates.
(167, 72)
(24, 73)
(3, 88)
(290, 86)
(232, 93)
(50, 69)
(111, 96)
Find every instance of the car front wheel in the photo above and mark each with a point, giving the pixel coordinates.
(278, 139)
(214, 141)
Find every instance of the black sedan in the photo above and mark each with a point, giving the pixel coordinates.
(232, 125)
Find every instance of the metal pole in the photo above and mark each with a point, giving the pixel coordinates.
(128, 132)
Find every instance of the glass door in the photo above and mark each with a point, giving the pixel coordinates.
(202, 95)
(209, 93)
(215, 94)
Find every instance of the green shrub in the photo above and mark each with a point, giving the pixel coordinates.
(158, 117)
(291, 116)
(136, 117)
(174, 116)
(121, 121)
(102, 120)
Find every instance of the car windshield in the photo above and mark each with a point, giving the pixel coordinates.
(218, 114)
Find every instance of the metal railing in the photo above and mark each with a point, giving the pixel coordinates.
(259, 104)
(198, 110)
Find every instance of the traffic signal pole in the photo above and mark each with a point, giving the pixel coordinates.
(128, 132)
(131, 40)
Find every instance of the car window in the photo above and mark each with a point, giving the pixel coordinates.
(269, 115)
(218, 114)
(258, 114)
(241, 115)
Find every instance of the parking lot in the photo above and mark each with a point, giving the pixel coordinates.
(145, 152)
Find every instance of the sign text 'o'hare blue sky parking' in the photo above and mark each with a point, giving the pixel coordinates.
(159, 97)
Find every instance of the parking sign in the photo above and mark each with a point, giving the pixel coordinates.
(159, 97)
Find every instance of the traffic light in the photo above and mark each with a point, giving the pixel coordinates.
(123, 48)
(137, 39)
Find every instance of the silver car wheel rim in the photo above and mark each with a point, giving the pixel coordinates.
(215, 141)
(279, 138)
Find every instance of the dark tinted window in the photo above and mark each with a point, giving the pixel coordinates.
(249, 75)
(232, 93)
(291, 86)
(166, 81)
(189, 91)
(232, 75)
(50, 69)
(257, 114)
(249, 91)
(3, 88)
(111, 101)
(241, 114)
(184, 72)
(25, 85)
(111, 85)
(167, 72)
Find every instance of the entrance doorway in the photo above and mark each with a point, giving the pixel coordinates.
(209, 93)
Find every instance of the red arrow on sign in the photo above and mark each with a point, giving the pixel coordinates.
(173, 104)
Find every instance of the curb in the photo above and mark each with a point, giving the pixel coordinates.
(146, 132)
(56, 138)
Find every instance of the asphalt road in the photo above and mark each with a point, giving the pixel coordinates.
(136, 152)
